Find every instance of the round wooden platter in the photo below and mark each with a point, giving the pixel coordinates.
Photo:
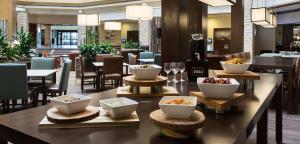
(158, 81)
(178, 128)
(90, 112)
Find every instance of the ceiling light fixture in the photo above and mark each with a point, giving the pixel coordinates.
(112, 26)
(263, 15)
(88, 20)
(219, 2)
(143, 12)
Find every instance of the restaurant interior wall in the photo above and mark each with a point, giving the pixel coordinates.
(53, 19)
(217, 21)
(112, 36)
(8, 12)
(264, 39)
(128, 26)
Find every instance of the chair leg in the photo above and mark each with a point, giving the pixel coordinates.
(60, 93)
(65, 92)
(82, 82)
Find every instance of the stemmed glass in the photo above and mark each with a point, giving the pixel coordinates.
(182, 69)
(167, 68)
(175, 70)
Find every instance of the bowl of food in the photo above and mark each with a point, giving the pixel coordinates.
(235, 66)
(70, 104)
(218, 87)
(145, 72)
(178, 107)
(120, 107)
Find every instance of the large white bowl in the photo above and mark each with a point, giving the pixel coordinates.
(145, 73)
(235, 68)
(219, 91)
(119, 107)
(178, 111)
(69, 108)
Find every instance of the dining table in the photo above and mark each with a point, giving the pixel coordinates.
(285, 64)
(99, 65)
(42, 74)
(147, 61)
(234, 126)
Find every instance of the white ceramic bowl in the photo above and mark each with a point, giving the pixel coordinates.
(120, 107)
(178, 111)
(70, 107)
(235, 68)
(219, 91)
(145, 73)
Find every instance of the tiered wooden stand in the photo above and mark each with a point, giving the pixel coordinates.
(146, 88)
(218, 104)
(178, 128)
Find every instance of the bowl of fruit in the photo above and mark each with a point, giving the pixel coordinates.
(219, 88)
(145, 72)
(235, 66)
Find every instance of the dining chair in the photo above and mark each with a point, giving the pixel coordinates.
(72, 57)
(146, 55)
(62, 87)
(41, 63)
(100, 57)
(132, 59)
(157, 59)
(297, 82)
(14, 86)
(112, 70)
(85, 75)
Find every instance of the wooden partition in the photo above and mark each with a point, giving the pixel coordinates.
(180, 19)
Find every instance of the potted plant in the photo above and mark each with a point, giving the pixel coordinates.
(3, 42)
(89, 52)
(7, 52)
(130, 47)
(25, 43)
(106, 47)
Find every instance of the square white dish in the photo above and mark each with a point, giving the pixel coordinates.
(219, 91)
(178, 111)
(70, 107)
(145, 73)
(120, 107)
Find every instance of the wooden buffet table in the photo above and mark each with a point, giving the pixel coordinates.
(285, 64)
(232, 127)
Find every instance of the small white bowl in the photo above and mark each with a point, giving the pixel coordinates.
(145, 73)
(119, 107)
(219, 91)
(235, 68)
(178, 111)
(70, 108)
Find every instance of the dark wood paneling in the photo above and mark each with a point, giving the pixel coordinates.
(222, 39)
(133, 35)
(237, 24)
(33, 29)
(287, 35)
(181, 18)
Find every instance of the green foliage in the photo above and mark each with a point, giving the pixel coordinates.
(3, 41)
(11, 54)
(91, 50)
(26, 43)
(91, 37)
(131, 45)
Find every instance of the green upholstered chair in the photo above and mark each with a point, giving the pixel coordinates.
(146, 55)
(62, 86)
(41, 63)
(13, 85)
(157, 59)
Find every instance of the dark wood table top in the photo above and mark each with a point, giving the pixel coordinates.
(232, 127)
(273, 62)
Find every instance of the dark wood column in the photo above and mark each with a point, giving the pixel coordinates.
(181, 18)
(237, 27)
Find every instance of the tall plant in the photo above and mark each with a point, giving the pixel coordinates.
(3, 41)
(131, 45)
(106, 48)
(26, 42)
(89, 50)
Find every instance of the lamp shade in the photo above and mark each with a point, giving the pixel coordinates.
(88, 20)
(112, 26)
(219, 2)
(143, 12)
(260, 16)
(273, 22)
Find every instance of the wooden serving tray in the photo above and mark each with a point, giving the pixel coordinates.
(166, 91)
(102, 120)
(178, 128)
(158, 81)
(56, 117)
(248, 75)
(218, 104)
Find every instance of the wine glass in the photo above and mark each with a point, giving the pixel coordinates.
(182, 69)
(167, 68)
(175, 70)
